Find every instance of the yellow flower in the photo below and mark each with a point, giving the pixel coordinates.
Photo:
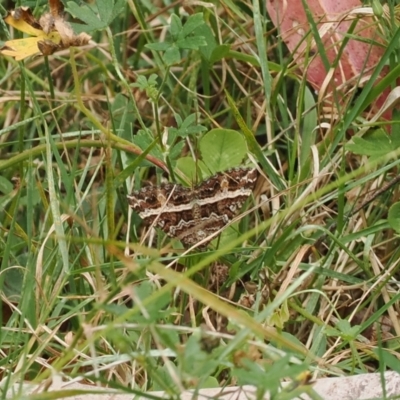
(25, 47)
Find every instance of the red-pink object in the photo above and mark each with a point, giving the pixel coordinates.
(333, 19)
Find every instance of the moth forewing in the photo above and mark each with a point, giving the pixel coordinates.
(193, 215)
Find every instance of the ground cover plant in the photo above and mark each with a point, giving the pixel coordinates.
(109, 97)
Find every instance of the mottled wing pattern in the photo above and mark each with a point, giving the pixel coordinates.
(193, 215)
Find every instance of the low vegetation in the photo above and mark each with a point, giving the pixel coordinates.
(301, 284)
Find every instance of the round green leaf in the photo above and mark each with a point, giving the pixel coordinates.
(394, 217)
(227, 235)
(222, 149)
(6, 186)
(192, 170)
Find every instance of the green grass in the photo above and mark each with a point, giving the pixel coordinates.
(306, 281)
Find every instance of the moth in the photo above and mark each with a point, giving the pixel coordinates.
(193, 214)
